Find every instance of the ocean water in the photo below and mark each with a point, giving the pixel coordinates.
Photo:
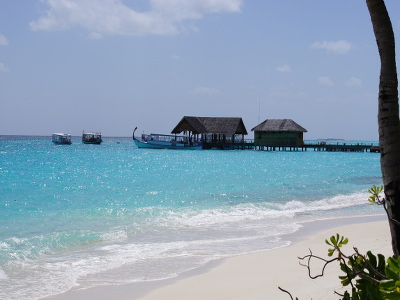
(80, 216)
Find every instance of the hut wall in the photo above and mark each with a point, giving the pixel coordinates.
(263, 138)
(219, 138)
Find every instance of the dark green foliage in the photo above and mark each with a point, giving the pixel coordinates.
(369, 276)
(362, 272)
(390, 287)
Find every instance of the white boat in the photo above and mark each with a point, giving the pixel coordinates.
(166, 141)
(91, 138)
(61, 138)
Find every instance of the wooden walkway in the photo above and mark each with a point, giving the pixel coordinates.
(229, 146)
(339, 147)
(344, 147)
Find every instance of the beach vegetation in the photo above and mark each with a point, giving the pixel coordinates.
(375, 197)
(368, 276)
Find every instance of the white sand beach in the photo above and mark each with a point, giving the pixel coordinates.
(258, 276)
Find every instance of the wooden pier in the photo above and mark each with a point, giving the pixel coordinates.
(322, 146)
(342, 147)
(246, 145)
(338, 147)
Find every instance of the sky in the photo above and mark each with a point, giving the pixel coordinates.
(112, 65)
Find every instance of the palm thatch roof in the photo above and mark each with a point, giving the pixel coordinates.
(211, 125)
(279, 125)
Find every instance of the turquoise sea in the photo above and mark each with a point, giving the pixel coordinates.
(80, 216)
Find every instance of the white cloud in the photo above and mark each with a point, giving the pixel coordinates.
(3, 40)
(325, 81)
(114, 17)
(284, 68)
(3, 68)
(354, 82)
(206, 91)
(337, 47)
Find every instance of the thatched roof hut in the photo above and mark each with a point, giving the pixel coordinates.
(279, 125)
(278, 132)
(210, 125)
(216, 132)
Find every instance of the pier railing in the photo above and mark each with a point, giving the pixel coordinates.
(248, 144)
(325, 146)
(343, 147)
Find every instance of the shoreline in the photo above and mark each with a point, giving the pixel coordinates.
(247, 277)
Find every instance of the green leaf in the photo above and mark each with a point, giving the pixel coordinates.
(330, 252)
(333, 240)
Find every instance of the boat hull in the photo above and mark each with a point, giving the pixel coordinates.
(62, 143)
(166, 141)
(154, 145)
(94, 143)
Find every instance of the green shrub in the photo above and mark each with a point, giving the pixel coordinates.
(369, 276)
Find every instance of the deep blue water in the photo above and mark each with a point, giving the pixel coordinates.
(79, 216)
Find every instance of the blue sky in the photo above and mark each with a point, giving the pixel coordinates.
(111, 65)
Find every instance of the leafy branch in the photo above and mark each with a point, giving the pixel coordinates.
(375, 198)
(369, 276)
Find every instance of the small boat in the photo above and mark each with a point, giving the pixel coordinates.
(61, 138)
(91, 138)
(165, 141)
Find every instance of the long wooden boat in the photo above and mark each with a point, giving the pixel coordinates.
(91, 138)
(61, 138)
(166, 141)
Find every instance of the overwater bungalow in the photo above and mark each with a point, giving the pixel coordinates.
(278, 133)
(215, 132)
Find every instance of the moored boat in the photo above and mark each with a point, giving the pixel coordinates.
(91, 138)
(61, 138)
(166, 141)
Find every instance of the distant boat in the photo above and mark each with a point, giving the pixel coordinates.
(165, 141)
(61, 138)
(91, 138)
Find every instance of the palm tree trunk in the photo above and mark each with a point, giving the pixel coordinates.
(388, 116)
